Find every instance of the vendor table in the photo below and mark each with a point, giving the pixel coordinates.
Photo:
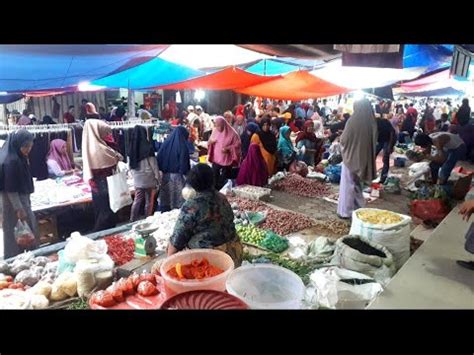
(431, 278)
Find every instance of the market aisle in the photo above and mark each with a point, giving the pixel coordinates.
(431, 279)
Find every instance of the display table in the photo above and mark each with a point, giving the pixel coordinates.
(431, 278)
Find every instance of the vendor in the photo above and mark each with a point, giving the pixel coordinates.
(450, 148)
(58, 160)
(206, 220)
(16, 186)
(306, 138)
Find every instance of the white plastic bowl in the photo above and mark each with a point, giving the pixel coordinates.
(266, 286)
(215, 257)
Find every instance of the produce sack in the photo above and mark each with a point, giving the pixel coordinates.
(298, 167)
(338, 288)
(119, 194)
(391, 230)
(433, 210)
(366, 257)
(24, 237)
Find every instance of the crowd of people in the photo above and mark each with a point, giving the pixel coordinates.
(245, 145)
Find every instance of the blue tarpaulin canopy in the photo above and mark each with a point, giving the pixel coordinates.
(26, 68)
(156, 72)
(432, 56)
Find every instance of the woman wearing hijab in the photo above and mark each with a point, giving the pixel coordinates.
(276, 124)
(91, 112)
(146, 176)
(428, 122)
(464, 113)
(48, 120)
(224, 151)
(173, 162)
(206, 220)
(286, 151)
(100, 155)
(268, 145)
(313, 145)
(251, 172)
(16, 186)
(58, 161)
(239, 124)
(358, 141)
(246, 137)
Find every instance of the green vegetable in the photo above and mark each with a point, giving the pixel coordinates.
(78, 305)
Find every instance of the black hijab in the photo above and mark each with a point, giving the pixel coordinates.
(15, 173)
(268, 139)
(140, 147)
(48, 120)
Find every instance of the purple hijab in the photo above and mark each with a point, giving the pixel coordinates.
(253, 170)
(55, 154)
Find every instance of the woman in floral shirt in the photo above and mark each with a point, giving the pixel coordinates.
(206, 220)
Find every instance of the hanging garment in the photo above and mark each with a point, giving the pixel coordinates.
(37, 157)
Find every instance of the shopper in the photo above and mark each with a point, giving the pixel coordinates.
(24, 120)
(267, 142)
(385, 141)
(463, 115)
(118, 114)
(246, 137)
(166, 113)
(286, 151)
(252, 172)
(206, 220)
(144, 168)
(47, 120)
(83, 111)
(229, 117)
(225, 150)
(239, 124)
(358, 141)
(58, 161)
(173, 162)
(307, 139)
(68, 116)
(16, 186)
(100, 155)
(449, 147)
(91, 112)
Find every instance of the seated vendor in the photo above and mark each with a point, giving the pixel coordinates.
(58, 161)
(450, 148)
(206, 220)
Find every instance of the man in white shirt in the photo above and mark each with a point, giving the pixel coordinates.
(206, 120)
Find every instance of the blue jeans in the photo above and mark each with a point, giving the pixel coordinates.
(386, 158)
(453, 155)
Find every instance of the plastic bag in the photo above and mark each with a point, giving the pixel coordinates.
(24, 237)
(433, 210)
(331, 287)
(298, 167)
(227, 189)
(333, 173)
(119, 193)
(80, 247)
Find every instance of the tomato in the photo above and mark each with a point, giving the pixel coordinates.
(9, 278)
(116, 293)
(146, 288)
(103, 298)
(135, 279)
(148, 277)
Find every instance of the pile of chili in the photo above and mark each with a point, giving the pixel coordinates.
(196, 270)
(121, 250)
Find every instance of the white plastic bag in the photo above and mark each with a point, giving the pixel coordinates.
(79, 247)
(395, 237)
(119, 193)
(227, 189)
(327, 290)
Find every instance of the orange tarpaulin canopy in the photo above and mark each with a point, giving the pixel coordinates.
(298, 85)
(227, 79)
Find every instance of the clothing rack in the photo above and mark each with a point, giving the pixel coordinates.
(42, 127)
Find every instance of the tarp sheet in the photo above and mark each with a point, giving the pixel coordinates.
(156, 72)
(41, 67)
(298, 85)
(227, 79)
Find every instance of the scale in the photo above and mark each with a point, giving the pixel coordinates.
(146, 244)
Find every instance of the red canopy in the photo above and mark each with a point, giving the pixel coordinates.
(298, 85)
(227, 79)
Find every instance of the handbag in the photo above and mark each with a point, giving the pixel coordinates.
(119, 193)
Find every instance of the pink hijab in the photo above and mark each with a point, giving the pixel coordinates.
(253, 170)
(229, 139)
(56, 154)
